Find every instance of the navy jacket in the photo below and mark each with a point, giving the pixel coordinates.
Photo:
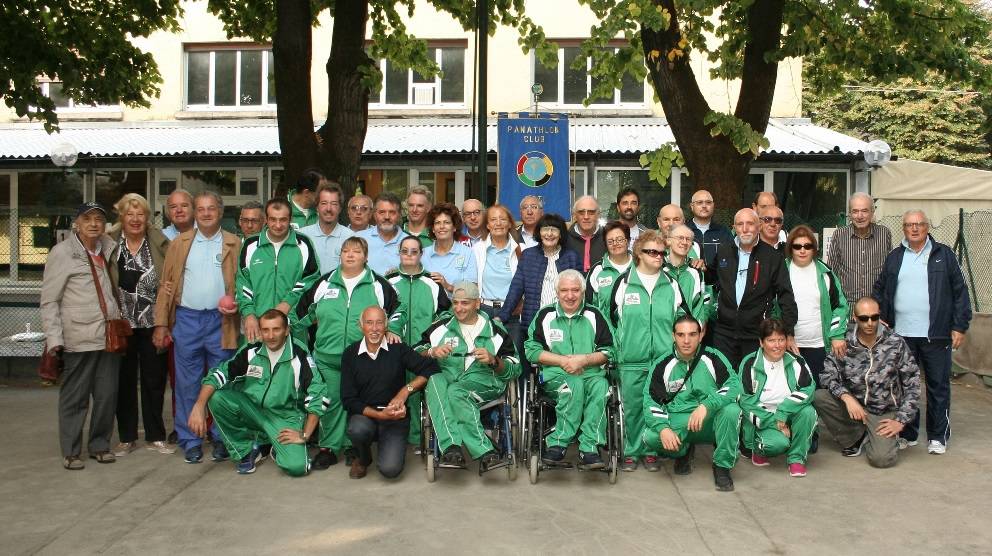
(716, 235)
(528, 278)
(950, 304)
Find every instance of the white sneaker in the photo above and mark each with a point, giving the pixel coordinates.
(903, 443)
(125, 448)
(936, 447)
(161, 447)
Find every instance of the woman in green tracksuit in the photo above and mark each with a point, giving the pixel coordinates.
(329, 312)
(643, 306)
(778, 401)
(616, 261)
(421, 301)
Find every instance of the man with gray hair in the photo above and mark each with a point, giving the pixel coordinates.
(419, 202)
(179, 209)
(857, 251)
(922, 296)
(571, 341)
(531, 210)
(585, 237)
(251, 219)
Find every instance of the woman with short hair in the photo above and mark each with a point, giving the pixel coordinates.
(447, 260)
(616, 261)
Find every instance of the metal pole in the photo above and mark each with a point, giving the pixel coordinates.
(482, 21)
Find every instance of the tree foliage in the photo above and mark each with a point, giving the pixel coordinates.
(86, 46)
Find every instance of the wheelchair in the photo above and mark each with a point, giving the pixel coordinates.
(539, 423)
(500, 419)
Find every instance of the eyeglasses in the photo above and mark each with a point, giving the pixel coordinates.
(587, 212)
(529, 207)
(617, 242)
(250, 220)
(409, 251)
(914, 225)
(359, 208)
(653, 252)
(472, 213)
(682, 239)
(802, 246)
(866, 318)
(702, 202)
(770, 219)
(549, 229)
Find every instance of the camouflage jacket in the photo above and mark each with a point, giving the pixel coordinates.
(883, 378)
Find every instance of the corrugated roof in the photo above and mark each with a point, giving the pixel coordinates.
(385, 136)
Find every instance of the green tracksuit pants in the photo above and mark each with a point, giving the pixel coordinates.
(770, 441)
(334, 422)
(454, 409)
(242, 423)
(580, 407)
(632, 394)
(413, 403)
(720, 429)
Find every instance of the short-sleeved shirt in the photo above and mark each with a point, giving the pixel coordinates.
(203, 277)
(496, 274)
(457, 265)
(327, 246)
(384, 256)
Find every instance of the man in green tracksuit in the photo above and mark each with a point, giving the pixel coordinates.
(477, 360)
(421, 301)
(302, 197)
(275, 268)
(329, 312)
(697, 294)
(684, 407)
(778, 402)
(268, 393)
(572, 341)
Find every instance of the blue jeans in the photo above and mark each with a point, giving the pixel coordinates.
(934, 359)
(197, 339)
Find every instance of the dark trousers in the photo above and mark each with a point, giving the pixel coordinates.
(734, 349)
(141, 353)
(391, 436)
(87, 374)
(814, 359)
(934, 359)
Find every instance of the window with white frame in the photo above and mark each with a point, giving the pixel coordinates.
(53, 90)
(237, 78)
(565, 85)
(407, 87)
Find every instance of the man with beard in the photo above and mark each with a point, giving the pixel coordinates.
(629, 207)
(384, 238)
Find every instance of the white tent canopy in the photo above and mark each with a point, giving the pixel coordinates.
(938, 189)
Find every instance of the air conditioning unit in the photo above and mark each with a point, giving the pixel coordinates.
(423, 94)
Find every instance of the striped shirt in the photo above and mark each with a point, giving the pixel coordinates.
(858, 260)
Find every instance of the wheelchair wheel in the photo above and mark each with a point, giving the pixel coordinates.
(534, 468)
(511, 469)
(431, 467)
(430, 458)
(424, 423)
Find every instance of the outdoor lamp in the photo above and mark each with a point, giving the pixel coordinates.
(64, 155)
(878, 153)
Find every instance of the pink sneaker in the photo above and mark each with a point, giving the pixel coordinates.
(759, 460)
(797, 470)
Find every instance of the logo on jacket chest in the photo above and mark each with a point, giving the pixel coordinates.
(555, 335)
(332, 293)
(632, 299)
(254, 371)
(605, 281)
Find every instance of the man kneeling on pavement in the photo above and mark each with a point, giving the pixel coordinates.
(268, 393)
(477, 359)
(870, 395)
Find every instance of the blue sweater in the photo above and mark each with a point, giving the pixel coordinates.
(528, 278)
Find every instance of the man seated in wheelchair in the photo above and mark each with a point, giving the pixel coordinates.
(690, 398)
(572, 341)
(477, 360)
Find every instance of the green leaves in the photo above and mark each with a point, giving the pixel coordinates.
(661, 161)
(744, 138)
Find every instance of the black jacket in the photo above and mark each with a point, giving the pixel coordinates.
(597, 248)
(715, 236)
(767, 282)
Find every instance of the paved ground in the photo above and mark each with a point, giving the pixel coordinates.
(150, 503)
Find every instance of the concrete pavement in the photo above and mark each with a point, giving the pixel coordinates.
(150, 503)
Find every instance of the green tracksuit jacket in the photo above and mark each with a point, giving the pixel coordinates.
(297, 218)
(599, 283)
(455, 394)
(714, 384)
(698, 294)
(580, 400)
(796, 410)
(265, 280)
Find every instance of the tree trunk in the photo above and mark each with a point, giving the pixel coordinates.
(343, 134)
(291, 51)
(713, 162)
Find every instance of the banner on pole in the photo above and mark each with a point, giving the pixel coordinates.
(534, 160)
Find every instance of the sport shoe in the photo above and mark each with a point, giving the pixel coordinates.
(324, 459)
(161, 447)
(652, 464)
(936, 447)
(219, 452)
(247, 464)
(488, 459)
(745, 452)
(759, 460)
(903, 443)
(683, 465)
(722, 479)
(629, 464)
(125, 448)
(554, 454)
(797, 470)
(854, 450)
(453, 456)
(194, 455)
(590, 460)
(173, 438)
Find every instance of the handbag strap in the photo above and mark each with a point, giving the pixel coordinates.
(96, 282)
(688, 375)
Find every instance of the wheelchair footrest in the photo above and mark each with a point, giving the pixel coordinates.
(557, 464)
(451, 466)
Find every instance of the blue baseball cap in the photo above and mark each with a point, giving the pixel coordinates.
(86, 207)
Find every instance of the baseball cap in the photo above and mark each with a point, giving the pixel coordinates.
(86, 207)
(465, 290)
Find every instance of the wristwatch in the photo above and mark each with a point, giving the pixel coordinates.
(409, 389)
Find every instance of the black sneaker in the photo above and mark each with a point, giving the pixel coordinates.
(854, 450)
(488, 459)
(324, 459)
(683, 465)
(722, 479)
(554, 454)
(219, 452)
(453, 456)
(745, 452)
(173, 438)
(589, 461)
(264, 450)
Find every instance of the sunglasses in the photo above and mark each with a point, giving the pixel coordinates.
(866, 318)
(801, 246)
(770, 219)
(652, 252)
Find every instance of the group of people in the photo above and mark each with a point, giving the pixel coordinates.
(309, 331)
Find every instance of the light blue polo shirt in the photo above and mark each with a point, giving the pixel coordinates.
(383, 255)
(457, 265)
(912, 300)
(496, 274)
(203, 277)
(743, 260)
(327, 246)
